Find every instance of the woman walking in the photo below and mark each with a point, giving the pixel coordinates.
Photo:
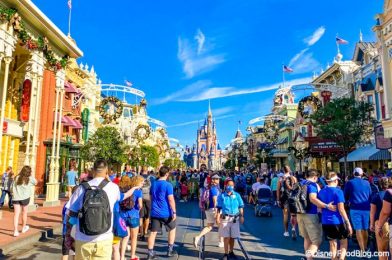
(336, 225)
(8, 180)
(21, 190)
(130, 211)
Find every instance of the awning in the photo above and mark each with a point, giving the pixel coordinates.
(68, 121)
(78, 124)
(70, 88)
(282, 140)
(367, 153)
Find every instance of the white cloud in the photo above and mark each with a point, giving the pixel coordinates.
(297, 56)
(196, 58)
(222, 111)
(194, 122)
(204, 90)
(315, 37)
(306, 63)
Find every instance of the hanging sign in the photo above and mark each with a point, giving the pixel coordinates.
(25, 106)
(382, 142)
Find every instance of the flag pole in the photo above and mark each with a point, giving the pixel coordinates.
(69, 17)
(283, 77)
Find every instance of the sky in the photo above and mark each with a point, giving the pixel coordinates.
(184, 53)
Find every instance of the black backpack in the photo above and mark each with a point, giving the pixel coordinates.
(298, 198)
(95, 216)
(128, 203)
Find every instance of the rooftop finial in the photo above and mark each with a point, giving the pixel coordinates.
(360, 36)
(209, 108)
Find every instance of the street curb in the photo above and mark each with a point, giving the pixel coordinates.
(33, 238)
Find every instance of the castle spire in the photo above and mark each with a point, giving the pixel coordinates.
(209, 108)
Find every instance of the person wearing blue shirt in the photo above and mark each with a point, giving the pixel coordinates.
(230, 213)
(163, 212)
(211, 208)
(72, 177)
(358, 193)
(336, 225)
(309, 225)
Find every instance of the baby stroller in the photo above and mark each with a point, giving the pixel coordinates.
(264, 203)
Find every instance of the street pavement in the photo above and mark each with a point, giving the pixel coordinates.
(261, 236)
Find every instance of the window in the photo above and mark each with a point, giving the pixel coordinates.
(369, 99)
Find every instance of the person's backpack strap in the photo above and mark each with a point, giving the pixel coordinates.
(86, 186)
(103, 184)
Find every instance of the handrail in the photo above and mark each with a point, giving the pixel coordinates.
(243, 249)
(202, 243)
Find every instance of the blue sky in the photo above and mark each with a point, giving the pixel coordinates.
(181, 53)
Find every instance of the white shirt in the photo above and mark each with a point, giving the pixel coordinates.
(76, 202)
(257, 186)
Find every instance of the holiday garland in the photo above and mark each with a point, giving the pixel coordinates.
(138, 136)
(301, 105)
(26, 40)
(105, 115)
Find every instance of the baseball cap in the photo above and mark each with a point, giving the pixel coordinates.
(334, 178)
(215, 176)
(358, 171)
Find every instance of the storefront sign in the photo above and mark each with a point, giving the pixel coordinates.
(25, 107)
(381, 141)
(5, 127)
(318, 145)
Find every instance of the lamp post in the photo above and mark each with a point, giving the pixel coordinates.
(263, 155)
(300, 151)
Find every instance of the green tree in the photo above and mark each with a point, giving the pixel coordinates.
(344, 121)
(144, 156)
(105, 143)
(174, 163)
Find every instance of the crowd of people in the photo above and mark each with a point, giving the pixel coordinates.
(108, 212)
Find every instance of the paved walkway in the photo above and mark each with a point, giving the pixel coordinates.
(43, 222)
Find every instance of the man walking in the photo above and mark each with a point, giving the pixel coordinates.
(92, 204)
(358, 192)
(209, 206)
(230, 214)
(163, 212)
(146, 209)
(309, 225)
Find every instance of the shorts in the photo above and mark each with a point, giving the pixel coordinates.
(132, 222)
(310, 228)
(116, 240)
(93, 250)
(156, 224)
(360, 219)
(24, 202)
(229, 229)
(146, 210)
(248, 190)
(335, 232)
(210, 216)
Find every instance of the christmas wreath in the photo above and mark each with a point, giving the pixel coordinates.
(142, 132)
(26, 40)
(313, 102)
(103, 109)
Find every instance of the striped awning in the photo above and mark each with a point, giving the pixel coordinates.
(367, 153)
(282, 140)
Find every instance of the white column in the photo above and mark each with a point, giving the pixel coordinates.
(59, 132)
(33, 94)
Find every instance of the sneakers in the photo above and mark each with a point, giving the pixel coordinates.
(153, 257)
(294, 234)
(25, 229)
(171, 253)
(16, 233)
(196, 240)
(232, 256)
(142, 238)
(221, 245)
(286, 234)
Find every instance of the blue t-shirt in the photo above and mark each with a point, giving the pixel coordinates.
(358, 193)
(160, 190)
(230, 204)
(214, 191)
(312, 188)
(328, 195)
(133, 213)
(71, 178)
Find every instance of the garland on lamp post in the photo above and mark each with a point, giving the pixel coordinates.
(26, 40)
(108, 117)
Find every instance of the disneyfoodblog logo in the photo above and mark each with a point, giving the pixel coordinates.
(354, 253)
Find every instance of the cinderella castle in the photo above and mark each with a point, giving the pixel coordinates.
(207, 151)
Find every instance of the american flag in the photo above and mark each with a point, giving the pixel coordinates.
(340, 40)
(70, 4)
(129, 84)
(287, 69)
